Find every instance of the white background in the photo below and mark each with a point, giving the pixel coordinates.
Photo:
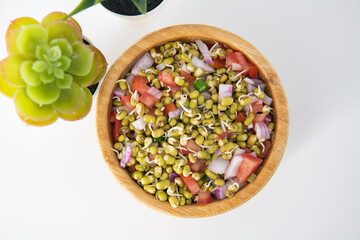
(54, 183)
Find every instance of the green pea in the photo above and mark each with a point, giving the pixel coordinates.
(147, 179)
(201, 99)
(221, 107)
(150, 189)
(179, 81)
(174, 202)
(227, 147)
(202, 154)
(158, 133)
(256, 149)
(137, 175)
(215, 97)
(167, 100)
(190, 67)
(140, 167)
(193, 103)
(118, 146)
(171, 150)
(186, 170)
(170, 160)
(233, 108)
(242, 137)
(211, 174)
(161, 185)
(252, 140)
(178, 181)
(194, 94)
(172, 122)
(121, 138)
(203, 132)
(121, 115)
(245, 101)
(149, 119)
(161, 195)
(242, 144)
(249, 119)
(198, 73)
(164, 176)
(187, 194)
(271, 126)
(219, 182)
(199, 140)
(169, 169)
(222, 142)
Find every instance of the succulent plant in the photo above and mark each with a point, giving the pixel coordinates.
(49, 69)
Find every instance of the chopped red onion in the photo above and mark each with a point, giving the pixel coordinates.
(201, 64)
(155, 92)
(250, 88)
(144, 62)
(267, 100)
(130, 78)
(204, 51)
(218, 165)
(128, 152)
(220, 192)
(236, 67)
(160, 66)
(268, 118)
(218, 152)
(172, 176)
(175, 113)
(207, 95)
(225, 90)
(139, 124)
(238, 151)
(233, 167)
(123, 157)
(262, 131)
(254, 81)
(119, 92)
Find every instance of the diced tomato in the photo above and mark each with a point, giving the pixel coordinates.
(204, 198)
(167, 79)
(126, 102)
(231, 58)
(259, 118)
(240, 117)
(113, 116)
(253, 72)
(151, 112)
(267, 145)
(175, 89)
(187, 77)
(218, 63)
(247, 167)
(257, 106)
(116, 129)
(223, 135)
(168, 108)
(191, 184)
(132, 168)
(246, 149)
(139, 83)
(198, 166)
(243, 62)
(148, 100)
(191, 144)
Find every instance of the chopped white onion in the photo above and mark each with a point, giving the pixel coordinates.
(155, 92)
(267, 100)
(236, 67)
(175, 113)
(160, 66)
(130, 78)
(204, 51)
(233, 167)
(144, 62)
(119, 92)
(219, 165)
(139, 124)
(197, 62)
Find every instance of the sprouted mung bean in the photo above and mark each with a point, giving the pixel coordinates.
(192, 124)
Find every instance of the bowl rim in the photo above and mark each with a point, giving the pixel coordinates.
(190, 32)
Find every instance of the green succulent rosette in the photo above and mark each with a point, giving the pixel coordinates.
(49, 69)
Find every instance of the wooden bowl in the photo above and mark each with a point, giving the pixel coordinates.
(190, 33)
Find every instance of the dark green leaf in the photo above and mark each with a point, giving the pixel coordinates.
(84, 4)
(141, 5)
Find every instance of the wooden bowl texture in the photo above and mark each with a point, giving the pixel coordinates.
(189, 33)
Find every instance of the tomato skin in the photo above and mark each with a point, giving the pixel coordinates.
(257, 106)
(231, 58)
(218, 63)
(126, 102)
(204, 198)
(148, 100)
(198, 166)
(139, 83)
(167, 79)
(259, 118)
(247, 167)
(253, 72)
(113, 116)
(116, 129)
(240, 117)
(223, 135)
(191, 184)
(187, 77)
(168, 108)
(267, 145)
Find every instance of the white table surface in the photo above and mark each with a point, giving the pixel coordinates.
(54, 183)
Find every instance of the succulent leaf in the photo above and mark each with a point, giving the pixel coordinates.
(29, 38)
(28, 74)
(81, 60)
(48, 69)
(29, 109)
(43, 93)
(65, 82)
